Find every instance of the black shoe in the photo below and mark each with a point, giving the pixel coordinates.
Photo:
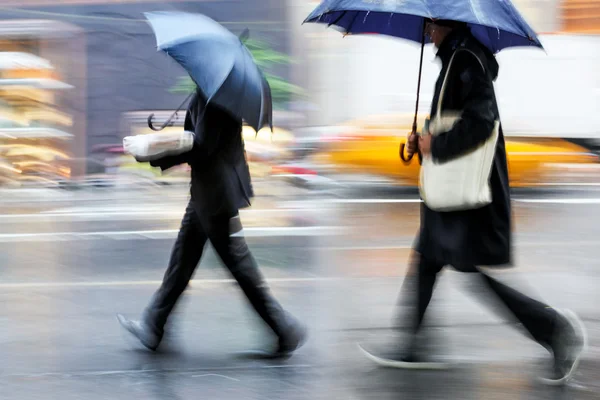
(569, 342)
(141, 331)
(292, 340)
(401, 359)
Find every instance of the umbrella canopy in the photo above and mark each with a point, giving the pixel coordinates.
(495, 23)
(218, 62)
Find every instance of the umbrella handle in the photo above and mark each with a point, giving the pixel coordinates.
(163, 126)
(407, 159)
(168, 122)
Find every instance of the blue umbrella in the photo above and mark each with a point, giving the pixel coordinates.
(218, 62)
(495, 23)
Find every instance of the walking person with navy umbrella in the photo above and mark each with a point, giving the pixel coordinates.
(230, 89)
(464, 183)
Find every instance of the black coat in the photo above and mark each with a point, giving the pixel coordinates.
(221, 182)
(480, 237)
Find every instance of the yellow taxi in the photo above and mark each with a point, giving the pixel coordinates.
(371, 146)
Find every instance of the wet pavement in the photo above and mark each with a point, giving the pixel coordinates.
(336, 261)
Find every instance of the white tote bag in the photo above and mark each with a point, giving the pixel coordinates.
(463, 182)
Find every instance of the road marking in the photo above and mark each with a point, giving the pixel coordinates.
(120, 210)
(131, 214)
(194, 282)
(371, 201)
(216, 375)
(154, 370)
(260, 232)
(201, 282)
(289, 231)
(94, 215)
(565, 200)
(560, 201)
(285, 207)
(126, 215)
(167, 234)
(409, 245)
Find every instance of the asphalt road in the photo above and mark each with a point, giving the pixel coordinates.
(337, 261)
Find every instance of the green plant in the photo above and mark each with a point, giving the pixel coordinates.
(266, 58)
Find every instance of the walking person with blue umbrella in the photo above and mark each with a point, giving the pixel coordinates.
(464, 183)
(230, 89)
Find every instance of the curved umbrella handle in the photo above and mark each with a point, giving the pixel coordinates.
(163, 126)
(407, 159)
(168, 122)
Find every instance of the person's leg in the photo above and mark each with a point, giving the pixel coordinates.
(185, 256)
(238, 259)
(562, 333)
(536, 317)
(418, 290)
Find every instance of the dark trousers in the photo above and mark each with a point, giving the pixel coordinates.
(537, 318)
(195, 231)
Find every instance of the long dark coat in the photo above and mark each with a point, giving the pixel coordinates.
(221, 182)
(480, 237)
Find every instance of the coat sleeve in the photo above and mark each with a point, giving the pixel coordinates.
(205, 142)
(476, 93)
(165, 163)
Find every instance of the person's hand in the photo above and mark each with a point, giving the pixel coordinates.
(412, 144)
(425, 144)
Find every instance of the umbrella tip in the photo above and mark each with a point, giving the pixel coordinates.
(245, 35)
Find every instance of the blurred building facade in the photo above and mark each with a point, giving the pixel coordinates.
(42, 101)
(113, 65)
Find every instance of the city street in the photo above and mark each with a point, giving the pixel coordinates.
(337, 261)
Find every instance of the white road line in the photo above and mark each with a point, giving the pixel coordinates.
(569, 184)
(409, 245)
(369, 201)
(148, 371)
(286, 207)
(167, 234)
(82, 234)
(290, 231)
(194, 282)
(199, 282)
(101, 215)
(565, 200)
(131, 210)
(258, 232)
(560, 201)
(130, 215)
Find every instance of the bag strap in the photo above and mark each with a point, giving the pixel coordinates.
(443, 91)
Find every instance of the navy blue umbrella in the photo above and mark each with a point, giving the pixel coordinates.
(495, 23)
(218, 62)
